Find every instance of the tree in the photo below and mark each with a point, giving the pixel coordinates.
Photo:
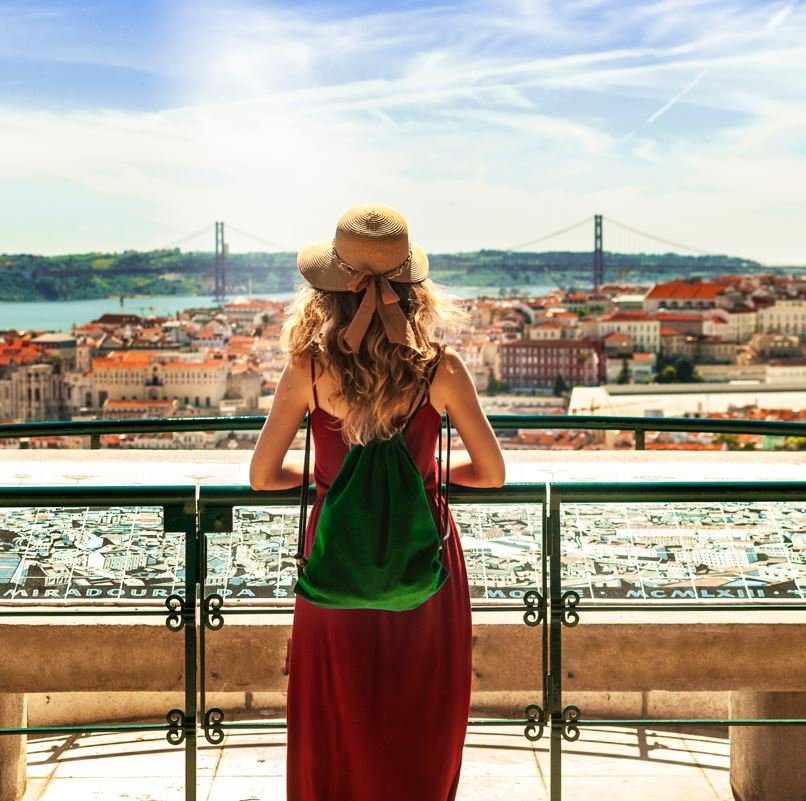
(495, 386)
(668, 375)
(625, 374)
(731, 441)
(677, 370)
(560, 386)
(685, 371)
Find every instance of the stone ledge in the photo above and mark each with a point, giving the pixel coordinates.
(171, 468)
(616, 652)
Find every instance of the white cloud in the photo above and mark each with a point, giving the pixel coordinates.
(780, 16)
(478, 122)
(679, 96)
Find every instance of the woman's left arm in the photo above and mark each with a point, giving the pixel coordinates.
(270, 468)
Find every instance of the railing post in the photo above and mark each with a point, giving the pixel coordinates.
(536, 615)
(640, 439)
(554, 676)
(184, 519)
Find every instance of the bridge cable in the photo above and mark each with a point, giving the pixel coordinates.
(663, 241)
(273, 245)
(178, 242)
(586, 221)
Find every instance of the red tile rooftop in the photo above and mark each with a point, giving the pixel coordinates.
(127, 357)
(210, 364)
(699, 290)
(549, 343)
(627, 316)
(668, 316)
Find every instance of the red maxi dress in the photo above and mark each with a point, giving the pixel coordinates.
(378, 701)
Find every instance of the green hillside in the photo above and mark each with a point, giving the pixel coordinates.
(83, 276)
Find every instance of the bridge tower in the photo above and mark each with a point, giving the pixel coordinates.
(220, 263)
(598, 252)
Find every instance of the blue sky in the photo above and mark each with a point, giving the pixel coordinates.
(487, 123)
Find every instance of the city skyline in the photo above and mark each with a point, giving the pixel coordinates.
(128, 125)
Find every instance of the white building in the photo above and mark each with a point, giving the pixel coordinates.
(79, 391)
(159, 375)
(785, 316)
(741, 324)
(642, 329)
(786, 372)
(679, 400)
(31, 392)
(549, 329)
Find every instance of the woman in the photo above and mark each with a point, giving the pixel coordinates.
(378, 701)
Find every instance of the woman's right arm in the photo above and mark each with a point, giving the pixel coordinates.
(453, 389)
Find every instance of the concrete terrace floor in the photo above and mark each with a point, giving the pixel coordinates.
(499, 763)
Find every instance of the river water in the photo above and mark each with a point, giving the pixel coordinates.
(61, 315)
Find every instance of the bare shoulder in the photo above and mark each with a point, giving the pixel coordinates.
(451, 360)
(451, 381)
(295, 382)
(452, 369)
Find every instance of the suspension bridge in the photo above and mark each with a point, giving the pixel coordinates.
(585, 239)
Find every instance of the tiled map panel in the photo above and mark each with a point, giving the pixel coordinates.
(685, 551)
(636, 551)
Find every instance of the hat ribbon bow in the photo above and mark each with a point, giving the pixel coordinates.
(380, 298)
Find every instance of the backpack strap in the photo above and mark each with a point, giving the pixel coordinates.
(313, 382)
(443, 496)
(299, 556)
(423, 396)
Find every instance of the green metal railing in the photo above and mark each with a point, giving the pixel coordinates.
(179, 510)
(557, 609)
(95, 429)
(198, 512)
(206, 510)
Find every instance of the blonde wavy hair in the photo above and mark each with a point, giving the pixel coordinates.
(379, 382)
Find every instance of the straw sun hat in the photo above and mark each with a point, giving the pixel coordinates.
(371, 248)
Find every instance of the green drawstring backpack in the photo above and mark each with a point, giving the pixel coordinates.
(377, 545)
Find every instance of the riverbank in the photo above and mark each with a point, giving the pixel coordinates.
(61, 315)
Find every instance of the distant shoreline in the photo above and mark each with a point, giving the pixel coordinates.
(61, 315)
(137, 275)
